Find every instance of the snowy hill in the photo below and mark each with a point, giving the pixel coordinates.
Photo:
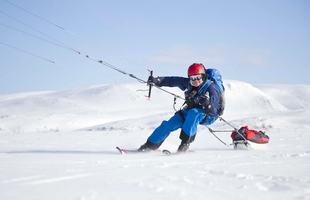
(291, 96)
(61, 145)
(81, 108)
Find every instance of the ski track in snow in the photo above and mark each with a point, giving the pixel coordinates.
(44, 159)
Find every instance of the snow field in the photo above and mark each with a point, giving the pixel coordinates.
(61, 145)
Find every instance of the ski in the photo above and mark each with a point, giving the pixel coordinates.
(132, 151)
(165, 152)
(135, 151)
(126, 151)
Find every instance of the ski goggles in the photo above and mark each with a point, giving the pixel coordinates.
(195, 77)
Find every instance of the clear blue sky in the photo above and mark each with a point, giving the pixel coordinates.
(257, 41)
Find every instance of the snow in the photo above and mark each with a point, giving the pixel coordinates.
(61, 145)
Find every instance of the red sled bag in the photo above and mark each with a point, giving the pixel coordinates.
(251, 135)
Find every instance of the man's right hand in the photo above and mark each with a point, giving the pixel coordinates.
(153, 81)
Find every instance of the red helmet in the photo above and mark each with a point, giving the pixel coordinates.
(195, 69)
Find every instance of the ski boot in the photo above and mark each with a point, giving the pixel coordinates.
(148, 146)
(183, 147)
(185, 141)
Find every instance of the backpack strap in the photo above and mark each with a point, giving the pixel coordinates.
(203, 89)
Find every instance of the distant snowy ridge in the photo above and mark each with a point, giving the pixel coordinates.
(81, 108)
(291, 96)
(245, 98)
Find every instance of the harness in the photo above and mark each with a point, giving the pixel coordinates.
(203, 89)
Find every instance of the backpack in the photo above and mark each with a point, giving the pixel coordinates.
(215, 76)
(251, 135)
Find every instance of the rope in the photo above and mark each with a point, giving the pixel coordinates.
(27, 52)
(35, 15)
(32, 28)
(63, 45)
(39, 38)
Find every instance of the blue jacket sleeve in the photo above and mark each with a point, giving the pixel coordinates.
(214, 106)
(173, 81)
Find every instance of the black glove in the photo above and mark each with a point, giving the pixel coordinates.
(153, 80)
(202, 101)
(189, 97)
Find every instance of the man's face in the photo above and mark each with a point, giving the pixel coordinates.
(196, 80)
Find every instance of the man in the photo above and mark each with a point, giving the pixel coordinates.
(203, 105)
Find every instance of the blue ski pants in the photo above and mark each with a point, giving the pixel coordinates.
(187, 121)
